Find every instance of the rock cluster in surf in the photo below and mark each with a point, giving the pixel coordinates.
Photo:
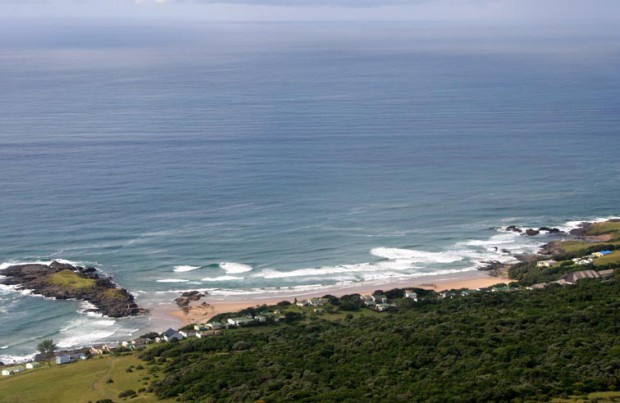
(64, 281)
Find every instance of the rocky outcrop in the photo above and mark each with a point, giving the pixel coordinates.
(65, 281)
(533, 231)
(187, 297)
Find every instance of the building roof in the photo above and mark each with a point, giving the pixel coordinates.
(170, 332)
(579, 275)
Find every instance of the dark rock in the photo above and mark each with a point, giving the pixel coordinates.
(187, 297)
(513, 228)
(104, 294)
(532, 232)
(550, 230)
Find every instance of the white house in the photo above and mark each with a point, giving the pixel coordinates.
(546, 263)
(187, 333)
(383, 307)
(32, 365)
(239, 321)
(379, 298)
(411, 294)
(64, 359)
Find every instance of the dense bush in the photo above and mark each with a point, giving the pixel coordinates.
(487, 346)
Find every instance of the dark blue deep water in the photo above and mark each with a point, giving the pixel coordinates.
(281, 155)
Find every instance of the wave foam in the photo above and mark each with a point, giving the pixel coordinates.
(172, 280)
(86, 331)
(183, 269)
(416, 255)
(222, 278)
(235, 268)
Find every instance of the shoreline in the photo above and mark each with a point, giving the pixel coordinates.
(206, 308)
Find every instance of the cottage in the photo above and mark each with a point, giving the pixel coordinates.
(379, 298)
(260, 318)
(187, 333)
(546, 263)
(318, 301)
(12, 371)
(383, 307)
(33, 365)
(200, 327)
(319, 311)
(582, 261)
(215, 325)
(601, 253)
(240, 321)
(411, 295)
(64, 359)
(172, 334)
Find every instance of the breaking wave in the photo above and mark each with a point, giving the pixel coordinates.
(234, 268)
(183, 269)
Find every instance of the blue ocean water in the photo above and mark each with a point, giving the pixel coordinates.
(238, 157)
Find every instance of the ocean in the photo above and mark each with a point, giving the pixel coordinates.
(257, 157)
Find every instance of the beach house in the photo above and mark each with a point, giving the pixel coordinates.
(240, 321)
(172, 334)
(546, 263)
(601, 253)
(33, 365)
(411, 295)
(379, 298)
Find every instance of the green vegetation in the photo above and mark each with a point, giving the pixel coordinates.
(609, 260)
(114, 293)
(71, 280)
(498, 346)
(609, 228)
(47, 348)
(82, 381)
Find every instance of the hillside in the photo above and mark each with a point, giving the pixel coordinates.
(500, 346)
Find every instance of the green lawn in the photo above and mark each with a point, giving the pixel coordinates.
(69, 279)
(78, 382)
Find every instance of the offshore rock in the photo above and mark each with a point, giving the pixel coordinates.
(65, 281)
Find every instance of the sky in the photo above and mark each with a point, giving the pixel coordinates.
(313, 10)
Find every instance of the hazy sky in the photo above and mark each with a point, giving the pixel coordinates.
(299, 10)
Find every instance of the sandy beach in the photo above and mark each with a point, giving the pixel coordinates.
(203, 310)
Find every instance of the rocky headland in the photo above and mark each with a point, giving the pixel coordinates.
(65, 281)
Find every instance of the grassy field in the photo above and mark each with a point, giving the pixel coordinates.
(605, 228)
(78, 382)
(68, 279)
(614, 257)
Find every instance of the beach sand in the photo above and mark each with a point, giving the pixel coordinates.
(203, 310)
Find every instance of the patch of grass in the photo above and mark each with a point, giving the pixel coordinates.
(69, 279)
(605, 228)
(113, 293)
(580, 248)
(82, 381)
(613, 258)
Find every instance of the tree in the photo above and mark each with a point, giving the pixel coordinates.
(47, 348)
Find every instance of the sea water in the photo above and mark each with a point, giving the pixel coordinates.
(251, 158)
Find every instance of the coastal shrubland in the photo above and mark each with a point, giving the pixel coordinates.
(485, 346)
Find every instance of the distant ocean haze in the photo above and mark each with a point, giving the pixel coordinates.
(247, 158)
